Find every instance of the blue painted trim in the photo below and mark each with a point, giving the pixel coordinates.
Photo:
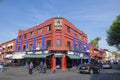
(16, 49)
(21, 41)
(75, 62)
(34, 44)
(79, 46)
(43, 43)
(82, 46)
(74, 46)
(27, 45)
(87, 48)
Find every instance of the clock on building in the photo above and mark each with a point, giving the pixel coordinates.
(58, 22)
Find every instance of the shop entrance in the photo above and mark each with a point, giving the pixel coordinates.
(58, 62)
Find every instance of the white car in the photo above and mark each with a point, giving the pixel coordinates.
(107, 65)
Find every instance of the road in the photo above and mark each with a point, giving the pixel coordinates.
(108, 74)
(20, 73)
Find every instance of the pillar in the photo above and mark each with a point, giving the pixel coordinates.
(53, 65)
(63, 62)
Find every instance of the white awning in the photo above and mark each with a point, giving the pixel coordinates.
(18, 56)
(8, 55)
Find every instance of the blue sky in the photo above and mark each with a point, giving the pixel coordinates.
(94, 17)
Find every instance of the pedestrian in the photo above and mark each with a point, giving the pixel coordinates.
(30, 67)
(1, 67)
(41, 67)
(44, 67)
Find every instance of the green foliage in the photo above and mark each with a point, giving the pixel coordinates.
(113, 34)
(116, 54)
(94, 42)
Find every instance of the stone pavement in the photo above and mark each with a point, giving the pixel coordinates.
(21, 73)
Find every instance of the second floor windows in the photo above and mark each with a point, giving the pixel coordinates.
(49, 28)
(39, 45)
(32, 33)
(39, 31)
(58, 42)
(68, 29)
(30, 47)
(25, 36)
(48, 44)
(68, 45)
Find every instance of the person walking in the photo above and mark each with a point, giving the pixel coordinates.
(44, 67)
(41, 67)
(30, 67)
(1, 67)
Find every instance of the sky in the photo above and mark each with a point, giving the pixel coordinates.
(94, 17)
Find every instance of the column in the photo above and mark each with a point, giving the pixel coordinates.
(53, 65)
(63, 62)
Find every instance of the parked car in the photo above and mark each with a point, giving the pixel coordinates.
(107, 65)
(92, 67)
(115, 61)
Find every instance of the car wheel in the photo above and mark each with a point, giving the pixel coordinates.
(98, 71)
(91, 71)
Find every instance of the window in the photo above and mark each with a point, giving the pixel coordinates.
(39, 31)
(19, 37)
(80, 36)
(30, 47)
(24, 36)
(48, 44)
(32, 33)
(58, 42)
(18, 48)
(3, 49)
(24, 48)
(68, 29)
(49, 28)
(39, 45)
(11, 47)
(8, 47)
(68, 44)
(75, 34)
(80, 46)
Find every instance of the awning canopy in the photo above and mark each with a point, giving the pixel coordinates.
(37, 55)
(8, 57)
(84, 57)
(58, 55)
(71, 56)
(18, 56)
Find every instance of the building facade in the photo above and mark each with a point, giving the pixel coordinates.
(56, 41)
(7, 51)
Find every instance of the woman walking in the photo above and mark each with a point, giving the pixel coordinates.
(30, 67)
(44, 67)
(41, 67)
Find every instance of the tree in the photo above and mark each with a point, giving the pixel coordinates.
(95, 41)
(116, 54)
(113, 34)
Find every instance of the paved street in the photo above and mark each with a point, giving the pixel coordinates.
(108, 74)
(20, 73)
